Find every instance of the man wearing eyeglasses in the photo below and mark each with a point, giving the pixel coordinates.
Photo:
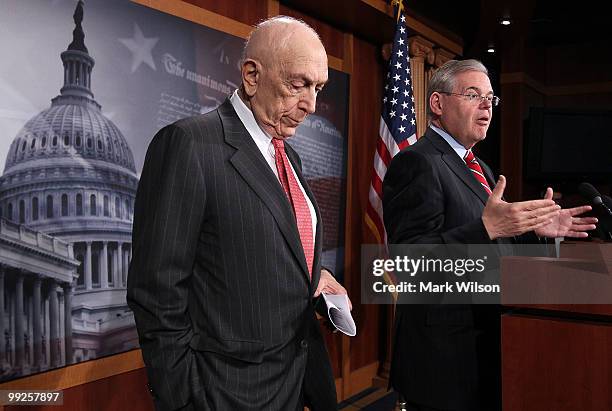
(447, 357)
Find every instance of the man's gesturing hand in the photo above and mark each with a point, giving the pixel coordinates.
(502, 219)
(566, 223)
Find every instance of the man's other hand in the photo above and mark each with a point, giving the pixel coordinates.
(503, 219)
(329, 285)
(566, 224)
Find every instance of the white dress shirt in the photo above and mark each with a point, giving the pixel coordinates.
(264, 143)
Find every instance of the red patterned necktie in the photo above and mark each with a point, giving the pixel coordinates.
(297, 200)
(472, 163)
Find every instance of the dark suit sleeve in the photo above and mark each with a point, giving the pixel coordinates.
(168, 214)
(413, 205)
(319, 302)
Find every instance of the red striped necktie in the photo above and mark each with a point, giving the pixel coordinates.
(472, 163)
(297, 200)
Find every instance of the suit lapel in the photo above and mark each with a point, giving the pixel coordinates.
(487, 172)
(456, 164)
(250, 164)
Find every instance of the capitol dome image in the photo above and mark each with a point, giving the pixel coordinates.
(66, 209)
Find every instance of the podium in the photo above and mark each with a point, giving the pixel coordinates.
(557, 350)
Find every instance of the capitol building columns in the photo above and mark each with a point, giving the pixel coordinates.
(114, 266)
(35, 321)
(119, 271)
(54, 340)
(126, 264)
(36, 317)
(104, 265)
(88, 284)
(19, 319)
(68, 290)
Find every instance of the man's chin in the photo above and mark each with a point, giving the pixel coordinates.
(481, 133)
(288, 131)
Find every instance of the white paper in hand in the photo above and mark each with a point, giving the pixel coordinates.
(340, 314)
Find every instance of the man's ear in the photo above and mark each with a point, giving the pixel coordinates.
(250, 76)
(435, 103)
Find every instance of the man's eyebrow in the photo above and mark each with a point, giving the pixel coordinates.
(306, 79)
(477, 90)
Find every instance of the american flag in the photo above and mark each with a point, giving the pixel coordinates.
(397, 121)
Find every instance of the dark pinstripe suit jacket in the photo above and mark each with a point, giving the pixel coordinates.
(218, 280)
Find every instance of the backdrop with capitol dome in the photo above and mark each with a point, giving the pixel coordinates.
(84, 91)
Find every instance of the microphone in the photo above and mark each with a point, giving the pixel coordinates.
(599, 205)
(589, 192)
(607, 200)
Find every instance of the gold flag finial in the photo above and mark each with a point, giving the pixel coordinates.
(400, 7)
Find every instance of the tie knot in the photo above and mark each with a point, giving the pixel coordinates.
(278, 143)
(469, 157)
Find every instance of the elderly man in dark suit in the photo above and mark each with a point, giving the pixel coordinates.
(227, 243)
(447, 357)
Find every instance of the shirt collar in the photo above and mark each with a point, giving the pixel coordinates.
(261, 138)
(459, 149)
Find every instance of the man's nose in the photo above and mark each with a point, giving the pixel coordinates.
(486, 102)
(309, 101)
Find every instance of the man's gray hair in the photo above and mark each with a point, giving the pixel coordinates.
(443, 79)
(274, 21)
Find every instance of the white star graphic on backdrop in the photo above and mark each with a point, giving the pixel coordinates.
(141, 48)
(402, 129)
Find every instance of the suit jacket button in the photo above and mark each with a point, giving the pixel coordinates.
(304, 344)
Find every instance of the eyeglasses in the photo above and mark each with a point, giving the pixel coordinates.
(472, 97)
